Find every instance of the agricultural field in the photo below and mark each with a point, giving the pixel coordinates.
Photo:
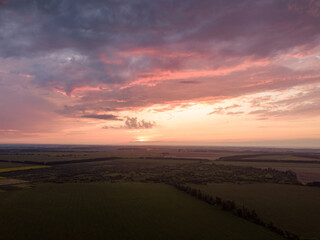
(13, 169)
(132, 193)
(291, 207)
(47, 156)
(60, 155)
(66, 153)
(149, 169)
(4, 165)
(11, 183)
(117, 211)
(305, 164)
(306, 172)
(310, 158)
(281, 157)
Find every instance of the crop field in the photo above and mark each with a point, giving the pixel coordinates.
(294, 208)
(52, 156)
(133, 193)
(286, 157)
(10, 169)
(75, 153)
(117, 211)
(155, 170)
(72, 154)
(10, 184)
(269, 164)
(211, 155)
(306, 172)
(11, 165)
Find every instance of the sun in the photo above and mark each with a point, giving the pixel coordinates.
(141, 139)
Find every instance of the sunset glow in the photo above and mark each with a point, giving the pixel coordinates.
(170, 72)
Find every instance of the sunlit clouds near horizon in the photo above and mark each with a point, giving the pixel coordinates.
(160, 72)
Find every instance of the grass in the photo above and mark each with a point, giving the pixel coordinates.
(293, 208)
(20, 168)
(117, 211)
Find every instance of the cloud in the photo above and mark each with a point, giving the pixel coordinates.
(102, 117)
(234, 113)
(119, 56)
(301, 102)
(25, 109)
(133, 123)
(90, 26)
(225, 110)
(189, 82)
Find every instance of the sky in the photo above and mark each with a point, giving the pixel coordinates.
(160, 72)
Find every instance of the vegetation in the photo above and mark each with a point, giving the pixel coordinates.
(117, 211)
(314, 184)
(154, 170)
(6, 164)
(240, 211)
(264, 205)
(306, 172)
(293, 158)
(11, 169)
(289, 207)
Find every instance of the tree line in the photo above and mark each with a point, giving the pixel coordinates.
(230, 206)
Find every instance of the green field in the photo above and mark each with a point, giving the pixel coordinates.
(281, 158)
(63, 154)
(117, 211)
(11, 165)
(20, 168)
(306, 172)
(53, 156)
(8, 166)
(84, 206)
(293, 208)
(268, 164)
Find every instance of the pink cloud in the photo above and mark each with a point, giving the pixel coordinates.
(99, 60)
